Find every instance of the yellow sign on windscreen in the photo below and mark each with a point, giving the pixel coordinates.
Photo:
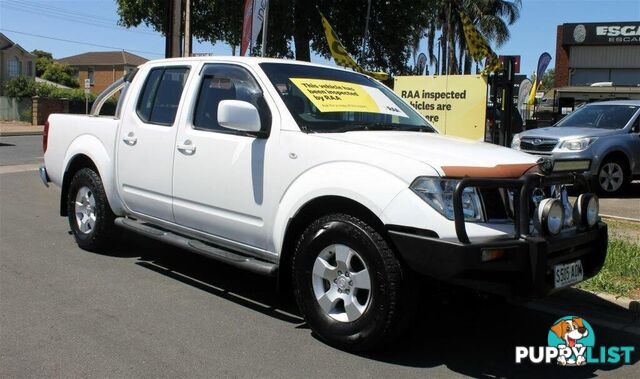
(338, 96)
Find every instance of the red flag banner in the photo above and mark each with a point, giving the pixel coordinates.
(247, 21)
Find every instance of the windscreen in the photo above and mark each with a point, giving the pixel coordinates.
(601, 116)
(327, 100)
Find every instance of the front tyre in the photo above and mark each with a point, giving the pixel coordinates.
(348, 283)
(90, 217)
(612, 177)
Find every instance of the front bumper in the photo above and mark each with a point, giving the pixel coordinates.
(525, 270)
(526, 265)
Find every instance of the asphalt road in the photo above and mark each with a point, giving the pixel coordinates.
(20, 150)
(150, 310)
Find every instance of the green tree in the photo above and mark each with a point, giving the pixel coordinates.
(491, 17)
(295, 28)
(548, 79)
(43, 60)
(20, 87)
(62, 74)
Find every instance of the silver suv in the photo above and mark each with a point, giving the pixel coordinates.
(602, 138)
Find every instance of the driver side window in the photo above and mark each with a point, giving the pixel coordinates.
(227, 82)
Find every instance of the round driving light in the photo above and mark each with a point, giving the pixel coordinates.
(549, 216)
(586, 209)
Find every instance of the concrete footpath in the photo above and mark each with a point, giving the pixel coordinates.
(19, 129)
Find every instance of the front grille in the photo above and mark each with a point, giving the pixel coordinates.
(538, 144)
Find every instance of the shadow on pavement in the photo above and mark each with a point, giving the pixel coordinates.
(468, 334)
(631, 192)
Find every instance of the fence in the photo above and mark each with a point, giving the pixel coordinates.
(15, 109)
(43, 107)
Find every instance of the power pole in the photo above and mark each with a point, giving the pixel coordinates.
(176, 30)
(168, 37)
(186, 51)
(366, 31)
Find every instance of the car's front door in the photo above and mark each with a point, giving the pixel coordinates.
(218, 175)
(146, 143)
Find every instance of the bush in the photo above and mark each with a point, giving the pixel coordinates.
(19, 87)
(50, 91)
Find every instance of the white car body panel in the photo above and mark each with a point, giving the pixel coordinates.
(229, 200)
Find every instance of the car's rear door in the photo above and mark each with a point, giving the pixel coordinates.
(146, 143)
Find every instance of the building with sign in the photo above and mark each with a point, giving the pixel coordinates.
(588, 53)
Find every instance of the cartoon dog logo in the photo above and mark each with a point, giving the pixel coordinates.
(571, 330)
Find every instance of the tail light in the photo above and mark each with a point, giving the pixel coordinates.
(45, 136)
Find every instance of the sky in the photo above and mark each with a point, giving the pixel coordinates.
(67, 28)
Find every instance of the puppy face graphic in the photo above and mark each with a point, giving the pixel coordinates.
(570, 330)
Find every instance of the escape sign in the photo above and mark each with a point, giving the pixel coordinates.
(337, 96)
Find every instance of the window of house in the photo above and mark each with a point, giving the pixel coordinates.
(160, 97)
(90, 74)
(30, 68)
(14, 67)
(227, 82)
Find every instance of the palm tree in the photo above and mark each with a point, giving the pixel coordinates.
(491, 17)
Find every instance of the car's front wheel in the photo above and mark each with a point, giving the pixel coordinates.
(612, 177)
(90, 217)
(348, 283)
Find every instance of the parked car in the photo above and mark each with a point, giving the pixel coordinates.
(602, 138)
(322, 177)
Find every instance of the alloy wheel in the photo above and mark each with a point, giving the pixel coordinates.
(341, 283)
(611, 177)
(85, 210)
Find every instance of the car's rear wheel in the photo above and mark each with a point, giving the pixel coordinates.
(90, 217)
(612, 177)
(349, 284)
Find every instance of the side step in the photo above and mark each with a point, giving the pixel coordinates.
(197, 246)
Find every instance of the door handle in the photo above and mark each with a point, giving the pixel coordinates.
(130, 139)
(187, 147)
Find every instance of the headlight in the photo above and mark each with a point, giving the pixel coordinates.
(586, 209)
(576, 144)
(515, 142)
(549, 216)
(438, 193)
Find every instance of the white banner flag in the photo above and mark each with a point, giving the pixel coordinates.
(258, 18)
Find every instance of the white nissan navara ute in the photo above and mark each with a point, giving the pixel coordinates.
(324, 178)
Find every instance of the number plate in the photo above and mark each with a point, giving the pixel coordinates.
(567, 274)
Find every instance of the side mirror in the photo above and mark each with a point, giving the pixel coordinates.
(238, 115)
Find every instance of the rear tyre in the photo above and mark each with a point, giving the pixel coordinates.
(90, 217)
(612, 177)
(349, 284)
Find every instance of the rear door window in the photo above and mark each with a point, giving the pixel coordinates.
(161, 94)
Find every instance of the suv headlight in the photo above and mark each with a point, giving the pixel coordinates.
(438, 193)
(515, 142)
(576, 144)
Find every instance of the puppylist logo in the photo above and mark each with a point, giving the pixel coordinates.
(571, 342)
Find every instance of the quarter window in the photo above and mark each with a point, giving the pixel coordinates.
(227, 82)
(161, 94)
